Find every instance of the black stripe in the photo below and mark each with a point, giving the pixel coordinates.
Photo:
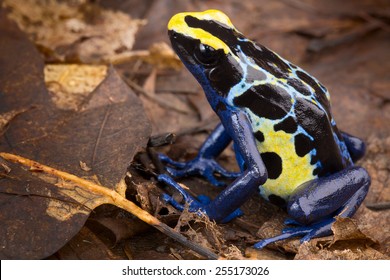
(319, 94)
(224, 33)
(265, 101)
(299, 86)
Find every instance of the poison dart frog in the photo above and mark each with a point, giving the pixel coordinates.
(286, 142)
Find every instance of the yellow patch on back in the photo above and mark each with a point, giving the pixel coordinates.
(295, 169)
(177, 23)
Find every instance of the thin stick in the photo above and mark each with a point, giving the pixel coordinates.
(117, 200)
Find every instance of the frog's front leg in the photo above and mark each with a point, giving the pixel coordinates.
(204, 164)
(314, 204)
(227, 202)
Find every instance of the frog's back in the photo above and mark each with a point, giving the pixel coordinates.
(291, 119)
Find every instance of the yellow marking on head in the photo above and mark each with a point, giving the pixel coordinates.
(177, 23)
(296, 170)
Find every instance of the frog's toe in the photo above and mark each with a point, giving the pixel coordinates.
(214, 181)
(291, 222)
(169, 199)
(227, 174)
(168, 160)
(323, 228)
(301, 230)
(176, 173)
(169, 181)
(267, 241)
(190, 202)
(319, 229)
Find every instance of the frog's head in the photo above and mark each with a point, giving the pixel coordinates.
(207, 43)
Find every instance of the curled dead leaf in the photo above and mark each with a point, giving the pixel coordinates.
(346, 229)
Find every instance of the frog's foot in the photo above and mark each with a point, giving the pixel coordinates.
(319, 229)
(194, 204)
(205, 167)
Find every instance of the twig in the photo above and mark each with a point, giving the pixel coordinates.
(318, 45)
(378, 206)
(116, 199)
(153, 98)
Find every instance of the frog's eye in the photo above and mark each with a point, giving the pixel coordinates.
(206, 55)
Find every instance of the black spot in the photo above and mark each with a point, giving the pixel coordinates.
(314, 159)
(273, 163)
(299, 86)
(221, 106)
(316, 171)
(271, 102)
(288, 125)
(259, 136)
(303, 144)
(277, 200)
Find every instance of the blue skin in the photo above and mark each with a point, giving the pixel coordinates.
(310, 208)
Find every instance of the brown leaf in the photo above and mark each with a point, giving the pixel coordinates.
(105, 134)
(70, 84)
(75, 32)
(86, 246)
(122, 228)
(309, 251)
(345, 229)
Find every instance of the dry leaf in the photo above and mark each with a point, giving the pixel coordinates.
(70, 84)
(77, 31)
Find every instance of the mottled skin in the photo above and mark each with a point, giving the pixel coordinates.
(279, 118)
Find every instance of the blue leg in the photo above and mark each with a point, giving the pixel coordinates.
(355, 146)
(204, 164)
(315, 204)
(225, 205)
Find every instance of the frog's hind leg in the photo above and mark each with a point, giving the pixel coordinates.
(315, 204)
